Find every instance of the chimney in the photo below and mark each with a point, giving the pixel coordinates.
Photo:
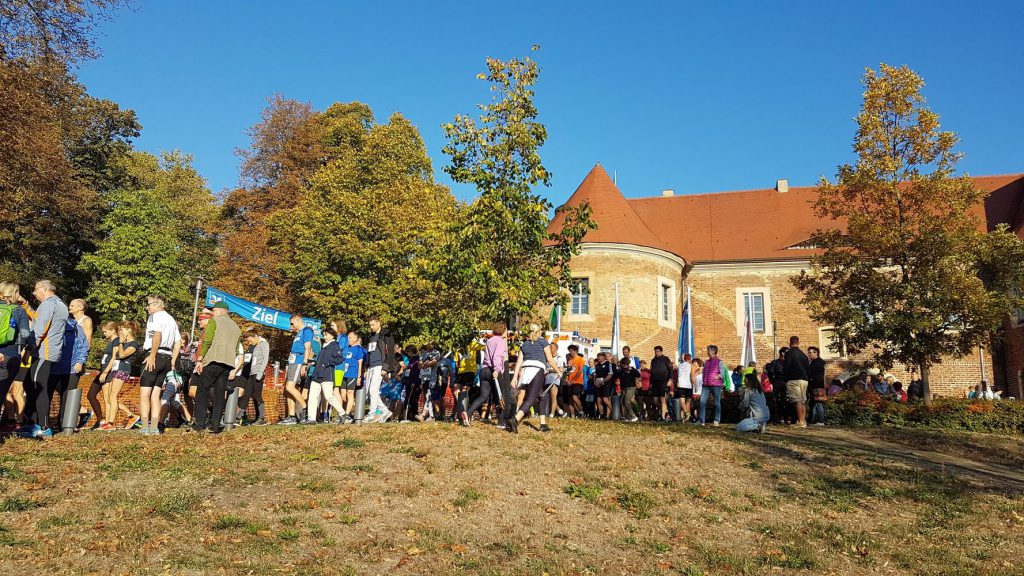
(668, 192)
(782, 185)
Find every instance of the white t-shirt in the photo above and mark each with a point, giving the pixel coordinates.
(163, 323)
(683, 373)
(551, 377)
(699, 386)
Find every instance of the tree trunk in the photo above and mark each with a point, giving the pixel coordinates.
(925, 387)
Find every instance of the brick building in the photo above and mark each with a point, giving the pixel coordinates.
(736, 252)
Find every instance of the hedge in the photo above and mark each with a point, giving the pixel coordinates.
(860, 409)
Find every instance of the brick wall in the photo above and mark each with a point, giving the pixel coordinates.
(714, 310)
(637, 274)
(1010, 371)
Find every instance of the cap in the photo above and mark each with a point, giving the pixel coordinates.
(222, 305)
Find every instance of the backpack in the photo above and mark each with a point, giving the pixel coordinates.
(8, 324)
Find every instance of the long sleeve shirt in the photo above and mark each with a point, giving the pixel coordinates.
(496, 353)
(260, 358)
(48, 328)
(754, 399)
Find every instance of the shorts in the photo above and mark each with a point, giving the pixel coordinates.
(120, 375)
(658, 389)
(155, 378)
(684, 393)
(339, 378)
(603, 391)
(796, 391)
(291, 374)
(576, 389)
(350, 384)
(465, 379)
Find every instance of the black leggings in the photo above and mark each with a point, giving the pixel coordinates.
(534, 391)
(253, 389)
(36, 387)
(486, 378)
(412, 400)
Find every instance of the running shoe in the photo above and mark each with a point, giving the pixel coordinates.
(307, 422)
(98, 425)
(107, 426)
(512, 425)
(289, 421)
(465, 420)
(132, 422)
(260, 422)
(83, 419)
(387, 414)
(545, 428)
(761, 428)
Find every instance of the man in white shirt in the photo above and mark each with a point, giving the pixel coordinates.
(684, 385)
(161, 348)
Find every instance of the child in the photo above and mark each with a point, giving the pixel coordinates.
(124, 366)
(753, 399)
(322, 381)
(355, 355)
(698, 388)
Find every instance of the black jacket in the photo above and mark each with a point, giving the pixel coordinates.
(796, 365)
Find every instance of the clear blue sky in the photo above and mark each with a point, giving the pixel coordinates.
(699, 97)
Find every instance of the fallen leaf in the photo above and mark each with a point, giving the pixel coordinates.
(550, 510)
(414, 551)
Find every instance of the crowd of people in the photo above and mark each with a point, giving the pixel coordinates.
(341, 377)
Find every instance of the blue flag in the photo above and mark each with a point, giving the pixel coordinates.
(686, 345)
(257, 313)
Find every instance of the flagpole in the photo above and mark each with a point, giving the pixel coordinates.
(195, 309)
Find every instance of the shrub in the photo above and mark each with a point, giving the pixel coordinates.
(858, 409)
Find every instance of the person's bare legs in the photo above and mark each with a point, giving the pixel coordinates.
(16, 397)
(155, 408)
(801, 414)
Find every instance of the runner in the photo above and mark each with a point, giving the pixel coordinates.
(353, 365)
(661, 372)
(380, 350)
(429, 360)
(161, 348)
(48, 330)
(604, 384)
(628, 376)
(327, 361)
(257, 355)
(684, 385)
(534, 357)
(298, 360)
(552, 380)
(575, 366)
(15, 338)
(64, 375)
(126, 359)
(76, 309)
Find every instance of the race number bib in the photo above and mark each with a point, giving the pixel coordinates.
(292, 359)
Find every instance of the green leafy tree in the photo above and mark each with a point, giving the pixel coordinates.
(355, 242)
(504, 262)
(157, 237)
(908, 273)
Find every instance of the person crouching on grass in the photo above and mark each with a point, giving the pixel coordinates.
(755, 402)
(322, 382)
(529, 371)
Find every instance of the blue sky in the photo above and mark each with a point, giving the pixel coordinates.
(698, 97)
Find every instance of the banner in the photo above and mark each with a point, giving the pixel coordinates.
(256, 313)
(686, 345)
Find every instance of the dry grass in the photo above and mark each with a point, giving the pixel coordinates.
(588, 498)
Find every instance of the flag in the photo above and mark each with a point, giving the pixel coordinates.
(615, 325)
(686, 345)
(749, 354)
(555, 320)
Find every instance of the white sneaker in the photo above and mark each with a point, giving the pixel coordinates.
(386, 415)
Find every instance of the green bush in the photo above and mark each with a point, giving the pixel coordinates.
(858, 409)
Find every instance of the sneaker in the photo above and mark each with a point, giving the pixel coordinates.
(83, 419)
(301, 414)
(545, 428)
(28, 431)
(715, 424)
(387, 415)
(289, 421)
(98, 425)
(406, 421)
(132, 422)
(818, 424)
(465, 419)
(512, 425)
(107, 426)
(260, 422)
(761, 428)
(633, 419)
(307, 422)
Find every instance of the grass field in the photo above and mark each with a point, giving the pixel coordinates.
(588, 498)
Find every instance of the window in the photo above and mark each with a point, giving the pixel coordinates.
(826, 339)
(753, 308)
(580, 290)
(666, 302)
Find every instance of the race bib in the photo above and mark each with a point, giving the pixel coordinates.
(372, 347)
(599, 382)
(292, 359)
(248, 357)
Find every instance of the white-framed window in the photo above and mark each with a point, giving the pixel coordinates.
(580, 296)
(755, 303)
(826, 338)
(753, 308)
(666, 302)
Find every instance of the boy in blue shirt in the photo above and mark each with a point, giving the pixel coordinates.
(355, 357)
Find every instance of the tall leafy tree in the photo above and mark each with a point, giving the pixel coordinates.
(158, 235)
(287, 148)
(908, 273)
(505, 263)
(355, 242)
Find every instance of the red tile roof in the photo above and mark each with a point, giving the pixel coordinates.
(743, 225)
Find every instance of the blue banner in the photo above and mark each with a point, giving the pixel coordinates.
(255, 313)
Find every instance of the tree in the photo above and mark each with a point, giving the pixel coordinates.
(356, 241)
(60, 30)
(908, 274)
(503, 259)
(157, 238)
(286, 149)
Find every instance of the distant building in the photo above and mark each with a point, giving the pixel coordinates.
(737, 251)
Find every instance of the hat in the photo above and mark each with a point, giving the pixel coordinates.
(222, 305)
(205, 316)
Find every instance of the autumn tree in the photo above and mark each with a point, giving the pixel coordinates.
(157, 236)
(286, 149)
(908, 273)
(502, 257)
(355, 242)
